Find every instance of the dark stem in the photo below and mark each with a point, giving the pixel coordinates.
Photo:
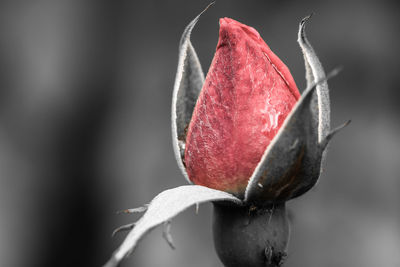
(248, 236)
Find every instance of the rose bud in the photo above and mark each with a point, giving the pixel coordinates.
(247, 94)
(246, 141)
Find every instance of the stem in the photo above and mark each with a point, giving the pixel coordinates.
(248, 236)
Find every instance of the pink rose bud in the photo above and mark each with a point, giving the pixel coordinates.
(247, 94)
(244, 130)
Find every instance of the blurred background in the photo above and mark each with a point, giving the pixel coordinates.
(85, 92)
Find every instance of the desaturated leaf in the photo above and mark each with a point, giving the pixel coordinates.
(188, 82)
(291, 161)
(291, 165)
(165, 206)
(315, 72)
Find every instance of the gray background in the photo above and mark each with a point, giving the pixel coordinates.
(85, 92)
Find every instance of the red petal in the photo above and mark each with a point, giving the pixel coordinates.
(247, 94)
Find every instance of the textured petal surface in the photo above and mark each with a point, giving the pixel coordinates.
(162, 208)
(247, 94)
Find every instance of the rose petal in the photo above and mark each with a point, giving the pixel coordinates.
(248, 93)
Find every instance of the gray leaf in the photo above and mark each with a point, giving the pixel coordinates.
(162, 208)
(315, 72)
(291, 161)
(188, 83)
(291, 165)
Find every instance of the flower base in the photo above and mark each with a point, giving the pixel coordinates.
(248, 236)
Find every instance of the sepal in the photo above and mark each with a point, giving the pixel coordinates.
(292, 163)
(162, 209)
(188, 83)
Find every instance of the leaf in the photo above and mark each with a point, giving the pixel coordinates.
(162, 208)
(292, 159)
(188, 83)
(315, 72)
